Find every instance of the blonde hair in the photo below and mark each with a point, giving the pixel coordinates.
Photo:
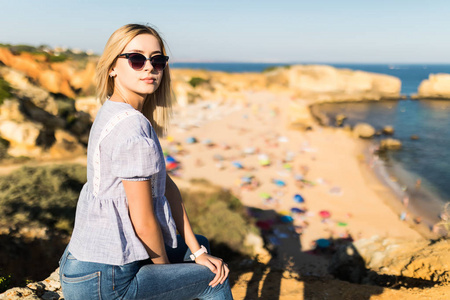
(158, 105)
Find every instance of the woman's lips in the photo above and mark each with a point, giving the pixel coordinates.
(148, 80)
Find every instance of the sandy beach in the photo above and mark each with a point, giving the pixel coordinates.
(247, 147)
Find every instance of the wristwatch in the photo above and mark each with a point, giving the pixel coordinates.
(199, 252)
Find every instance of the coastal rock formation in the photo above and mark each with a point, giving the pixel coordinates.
(326, 83)
(363, 130)
(309, 82)
(388, 130)
(390, 144)
(339, 119)
(366, 259)
(436, 86)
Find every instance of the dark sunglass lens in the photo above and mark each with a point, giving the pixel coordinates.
(159, 62)
(137, 61)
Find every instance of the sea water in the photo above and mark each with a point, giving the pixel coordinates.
(423, 165)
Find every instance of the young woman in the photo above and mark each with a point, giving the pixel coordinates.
(124, 244)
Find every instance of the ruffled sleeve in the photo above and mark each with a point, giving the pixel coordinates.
(136, 159)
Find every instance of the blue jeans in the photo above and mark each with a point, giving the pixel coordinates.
(141, 279)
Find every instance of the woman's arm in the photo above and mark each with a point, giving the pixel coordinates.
(179, 215)
(216, 265)
(146, 226)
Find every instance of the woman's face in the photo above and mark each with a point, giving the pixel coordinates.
(145, 81)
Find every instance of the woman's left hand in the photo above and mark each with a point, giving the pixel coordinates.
(216, 265)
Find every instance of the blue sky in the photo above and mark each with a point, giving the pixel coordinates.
(334, 31)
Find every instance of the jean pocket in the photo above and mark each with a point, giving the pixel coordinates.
(81, 287)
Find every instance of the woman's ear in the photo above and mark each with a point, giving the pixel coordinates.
(112, 73)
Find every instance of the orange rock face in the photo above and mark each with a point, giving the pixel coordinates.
(60, 77)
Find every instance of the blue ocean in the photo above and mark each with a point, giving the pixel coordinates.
(425, 160)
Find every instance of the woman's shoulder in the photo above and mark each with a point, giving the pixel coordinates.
(125, 120)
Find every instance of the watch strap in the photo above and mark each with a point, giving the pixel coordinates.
(199, 252)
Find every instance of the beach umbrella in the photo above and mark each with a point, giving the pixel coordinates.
(335, 191)
(298, 198)
(207, 142)
(170, 159)
(298, 177)
(323, 243)
(247, 179)
(249, 150)
(264, 225)
(172, 166)
(342, 224)
(287, 166)
(289, 156)
(324, 214)
(286, 219)
(265, 195)
(283, 139)
(237, 164)
(296, 210)
(191, 140)
(279, 182)
(263, 160)
(218, 157)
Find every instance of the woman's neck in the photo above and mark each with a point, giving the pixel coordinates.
(135, 100)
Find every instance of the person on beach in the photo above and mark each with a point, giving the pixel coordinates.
(124, 243)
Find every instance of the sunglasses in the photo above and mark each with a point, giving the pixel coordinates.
(137, 61)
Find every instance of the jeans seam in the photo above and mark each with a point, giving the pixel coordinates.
(181, 288)
(99, 289)
(112, 275)
(82, 278)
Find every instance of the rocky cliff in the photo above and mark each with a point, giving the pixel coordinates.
(70, 78)
(37, 123)
(437, 86)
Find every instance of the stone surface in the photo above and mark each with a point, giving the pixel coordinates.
(22, 137)
(363, 130)
(390, 144)
(436, 86)
(326, 83)
(425, 260)
(47, 289)
(388, 130)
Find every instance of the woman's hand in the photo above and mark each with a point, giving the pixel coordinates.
(216, 265)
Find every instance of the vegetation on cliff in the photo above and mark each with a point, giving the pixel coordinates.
(45, 53)
(219, 215)
(5, 90)
(37, 211)
(41, 197)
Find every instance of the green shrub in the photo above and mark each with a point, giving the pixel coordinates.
(4, 145)
(5, 283)
(41, 196)
(218, 215)
(195, 81)
(57, 58)
(5, 90)
(272, 68)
